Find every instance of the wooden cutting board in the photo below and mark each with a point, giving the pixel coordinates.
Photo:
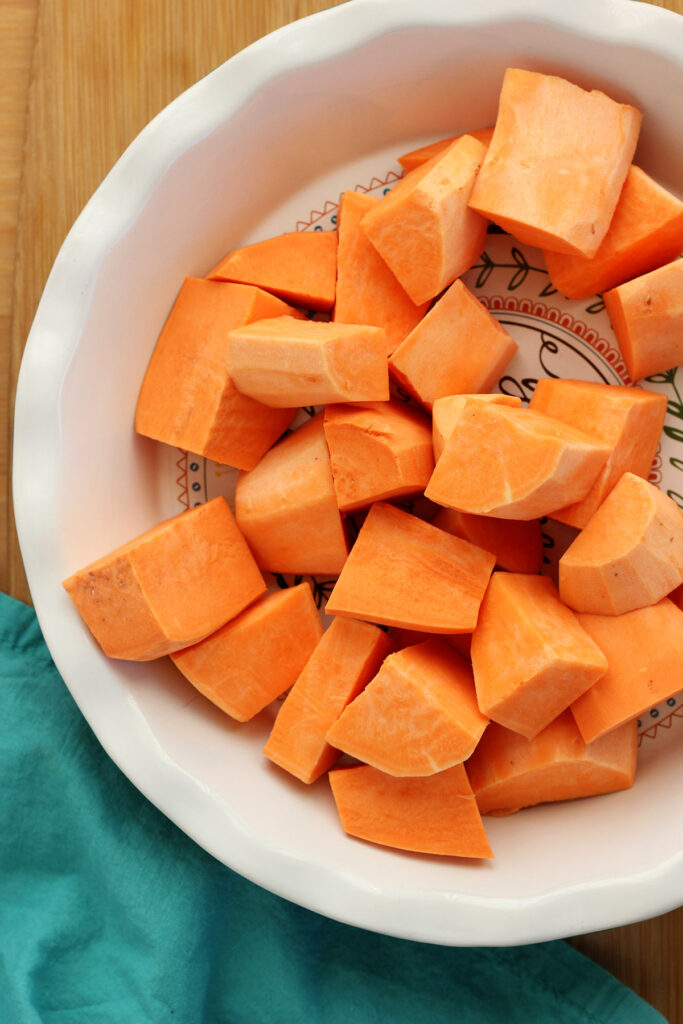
(80, 78)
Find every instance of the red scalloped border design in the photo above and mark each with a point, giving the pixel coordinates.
(661, 723)
(316, 216)
(655, 476)
(181, 480)
(553, 315)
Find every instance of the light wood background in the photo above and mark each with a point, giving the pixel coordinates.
(78, 80)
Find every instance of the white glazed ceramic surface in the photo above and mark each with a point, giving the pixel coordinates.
(262, 145)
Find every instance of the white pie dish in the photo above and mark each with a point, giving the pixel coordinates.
(273, 134)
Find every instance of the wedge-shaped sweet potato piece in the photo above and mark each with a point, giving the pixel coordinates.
(645, 232)
(187, 397)
(457, 348)
(508, 771)
(405, 572)
(647, 317)
(629, 419)
(169, 587)
(419, 715)
(367, 291)
(377, 450)
(630, 554)
(256, 656)
(347, 657)
(286, 362)
(530, 656)
(298, 266)
(287, 509)
(447, 411)
(557, 162)
(514, 463)
(436, 814)
(516, 544)
(417, 157)
(643, 651)
(423, 229)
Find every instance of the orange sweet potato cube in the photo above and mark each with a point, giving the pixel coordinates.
(423, 229)
(530, 656)
(457, 348)
(378, 450)
(405, 572)
(629, 419)
(188, 398)
(169, 587)
(254, 658)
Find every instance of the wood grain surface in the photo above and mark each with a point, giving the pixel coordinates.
(79, 79)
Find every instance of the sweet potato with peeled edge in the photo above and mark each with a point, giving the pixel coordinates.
(647, 317)
(298, 266)
(629, 419)
(169, 587)
(256, 656)
(514, 463)
(286, 362)
(508, 772)
(556, 164)
(423, 229)
(405, 572)
(530, 656)
(187, 397)
(435, 814)
(367, 291)
(630, 554)
(446, 412)
(457, 348)
(377, 450)
(645, 232)
(346, 658)
(643, 651)
(417, 157)
(418, 716)
(516, 544)
(287, 509)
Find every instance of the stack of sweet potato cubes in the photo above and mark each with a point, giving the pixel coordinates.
(460, 690)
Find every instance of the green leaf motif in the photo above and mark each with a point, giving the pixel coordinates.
(519, 257)
(675, 409)
(673, 432)
(322, 590)
(596, 307)
(485, 269)
(663, 378)
(520, 275)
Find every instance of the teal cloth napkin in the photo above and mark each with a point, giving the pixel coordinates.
(109, 914)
